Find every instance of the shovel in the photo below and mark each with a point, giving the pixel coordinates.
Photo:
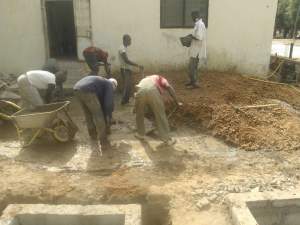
(169, 116)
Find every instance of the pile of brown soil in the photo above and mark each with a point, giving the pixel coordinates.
(215, 107)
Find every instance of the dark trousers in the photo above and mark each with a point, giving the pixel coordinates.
(127, 85)
(193, 69)
(91, 60)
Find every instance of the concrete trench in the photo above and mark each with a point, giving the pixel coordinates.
(153, 211)
(38, 214)
(277, 212)
(269, 208)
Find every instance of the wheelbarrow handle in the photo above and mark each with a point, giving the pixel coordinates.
(5, 117)
(11, 104)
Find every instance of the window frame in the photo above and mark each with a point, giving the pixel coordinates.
(183, 26)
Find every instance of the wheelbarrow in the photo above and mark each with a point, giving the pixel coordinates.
(50, 118)
(7, 109)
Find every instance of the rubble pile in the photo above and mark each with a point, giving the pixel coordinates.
(217, 192)
(7, 79)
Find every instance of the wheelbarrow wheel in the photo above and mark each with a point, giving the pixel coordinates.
(72, 128)
(61, 133)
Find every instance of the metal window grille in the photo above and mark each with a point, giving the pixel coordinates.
(177, 13)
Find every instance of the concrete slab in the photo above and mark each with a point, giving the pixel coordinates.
(265, 208)
(42, 214)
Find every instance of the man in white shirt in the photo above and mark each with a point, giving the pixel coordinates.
(126, 73)
(197, 50)
(31, 83)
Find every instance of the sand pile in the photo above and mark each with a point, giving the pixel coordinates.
(218, 107)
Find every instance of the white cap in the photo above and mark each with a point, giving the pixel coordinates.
(114, 82)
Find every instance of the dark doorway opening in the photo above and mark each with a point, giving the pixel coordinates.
(61, 29)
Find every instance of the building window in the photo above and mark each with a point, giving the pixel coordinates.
(177, 13)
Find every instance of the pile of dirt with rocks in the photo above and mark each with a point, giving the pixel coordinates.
(223, 106)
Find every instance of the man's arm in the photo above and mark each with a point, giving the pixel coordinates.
(171, 92)
(109, 104)
(49, 93)
(107, 69)
(127, 61)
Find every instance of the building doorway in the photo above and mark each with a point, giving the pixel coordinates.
(61, 28)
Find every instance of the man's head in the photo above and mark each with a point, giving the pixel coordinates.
(126, 40)
(195, 15)
(114, 83)
(61, 77)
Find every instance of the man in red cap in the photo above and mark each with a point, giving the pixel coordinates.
(149, 95)
(94, 57)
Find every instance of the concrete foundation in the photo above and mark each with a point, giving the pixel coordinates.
(277, 212)
(276, 208)
(39, 214)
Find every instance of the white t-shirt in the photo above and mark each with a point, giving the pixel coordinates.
(198, 47)
(123, 64)
(40, 79)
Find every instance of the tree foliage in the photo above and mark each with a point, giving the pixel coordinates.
(286, 17)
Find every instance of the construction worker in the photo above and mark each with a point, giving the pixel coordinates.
(197, 50)
(126, 73)
(95, 95)
(36, 87)
(94, 57)
(149, 95)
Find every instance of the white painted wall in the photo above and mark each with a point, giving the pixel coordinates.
(22, 45)
(239, 33)
(151, 46)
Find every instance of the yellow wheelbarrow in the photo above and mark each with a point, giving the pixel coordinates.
(50, 118)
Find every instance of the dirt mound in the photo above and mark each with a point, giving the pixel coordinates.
(118, 188)
(252, 129)
(218, 104)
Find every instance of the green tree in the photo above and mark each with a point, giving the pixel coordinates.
(283, 18)
(293, 9)
(286, 17)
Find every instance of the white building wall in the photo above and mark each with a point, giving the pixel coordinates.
(22, 44)
(239, 34)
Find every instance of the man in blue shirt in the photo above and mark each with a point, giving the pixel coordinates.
(95, 95)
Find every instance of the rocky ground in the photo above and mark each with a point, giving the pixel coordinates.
(188, 182)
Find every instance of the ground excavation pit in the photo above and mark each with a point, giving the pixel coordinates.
(151, 211)
(265, 208)
(72, 215)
